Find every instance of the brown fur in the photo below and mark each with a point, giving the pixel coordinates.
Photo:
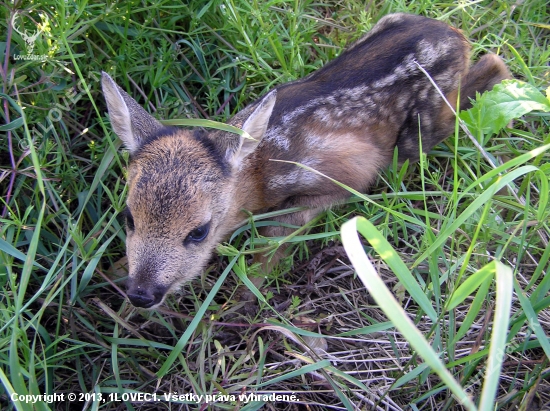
(343, 120)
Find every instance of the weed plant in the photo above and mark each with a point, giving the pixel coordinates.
(459, 240)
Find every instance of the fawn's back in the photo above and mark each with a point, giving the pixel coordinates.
(188, 188)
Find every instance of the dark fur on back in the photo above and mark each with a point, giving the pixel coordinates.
(385, 85)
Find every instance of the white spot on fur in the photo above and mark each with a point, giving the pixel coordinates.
(288, 118)
(386, 81)
(276, 135)
(355, 93)
(313, 140)
(403, 101)
(323, 114)
(298, 177)
(428, 53)
(423, 93)
(281, 181)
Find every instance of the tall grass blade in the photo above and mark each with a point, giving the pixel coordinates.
(497, 349)
(387, 302)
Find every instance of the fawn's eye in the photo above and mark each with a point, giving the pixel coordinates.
(198, 234)
(129, 219)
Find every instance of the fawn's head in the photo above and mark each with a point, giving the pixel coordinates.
(181, 192)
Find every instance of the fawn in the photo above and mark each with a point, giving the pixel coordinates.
(188, 188)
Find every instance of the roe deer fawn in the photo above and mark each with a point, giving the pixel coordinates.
(187, 188)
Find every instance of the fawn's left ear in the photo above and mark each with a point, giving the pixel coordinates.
(130, 122)
(235, 147)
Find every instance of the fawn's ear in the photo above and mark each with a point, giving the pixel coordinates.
(236, 147)
(256, 124)
(129, 120)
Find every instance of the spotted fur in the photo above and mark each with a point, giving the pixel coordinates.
(187, 189)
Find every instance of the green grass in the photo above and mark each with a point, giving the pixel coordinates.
(447, 236)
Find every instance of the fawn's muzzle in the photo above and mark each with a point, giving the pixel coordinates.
(145, 296)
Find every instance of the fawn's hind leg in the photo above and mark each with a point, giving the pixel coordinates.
(482, 76)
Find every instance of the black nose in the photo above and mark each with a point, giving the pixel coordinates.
(145, 297)
(141, 298)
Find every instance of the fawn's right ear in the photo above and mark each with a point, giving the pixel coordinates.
(254, 120)
(129, 120)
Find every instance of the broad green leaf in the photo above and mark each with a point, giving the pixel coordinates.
(506, 101)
